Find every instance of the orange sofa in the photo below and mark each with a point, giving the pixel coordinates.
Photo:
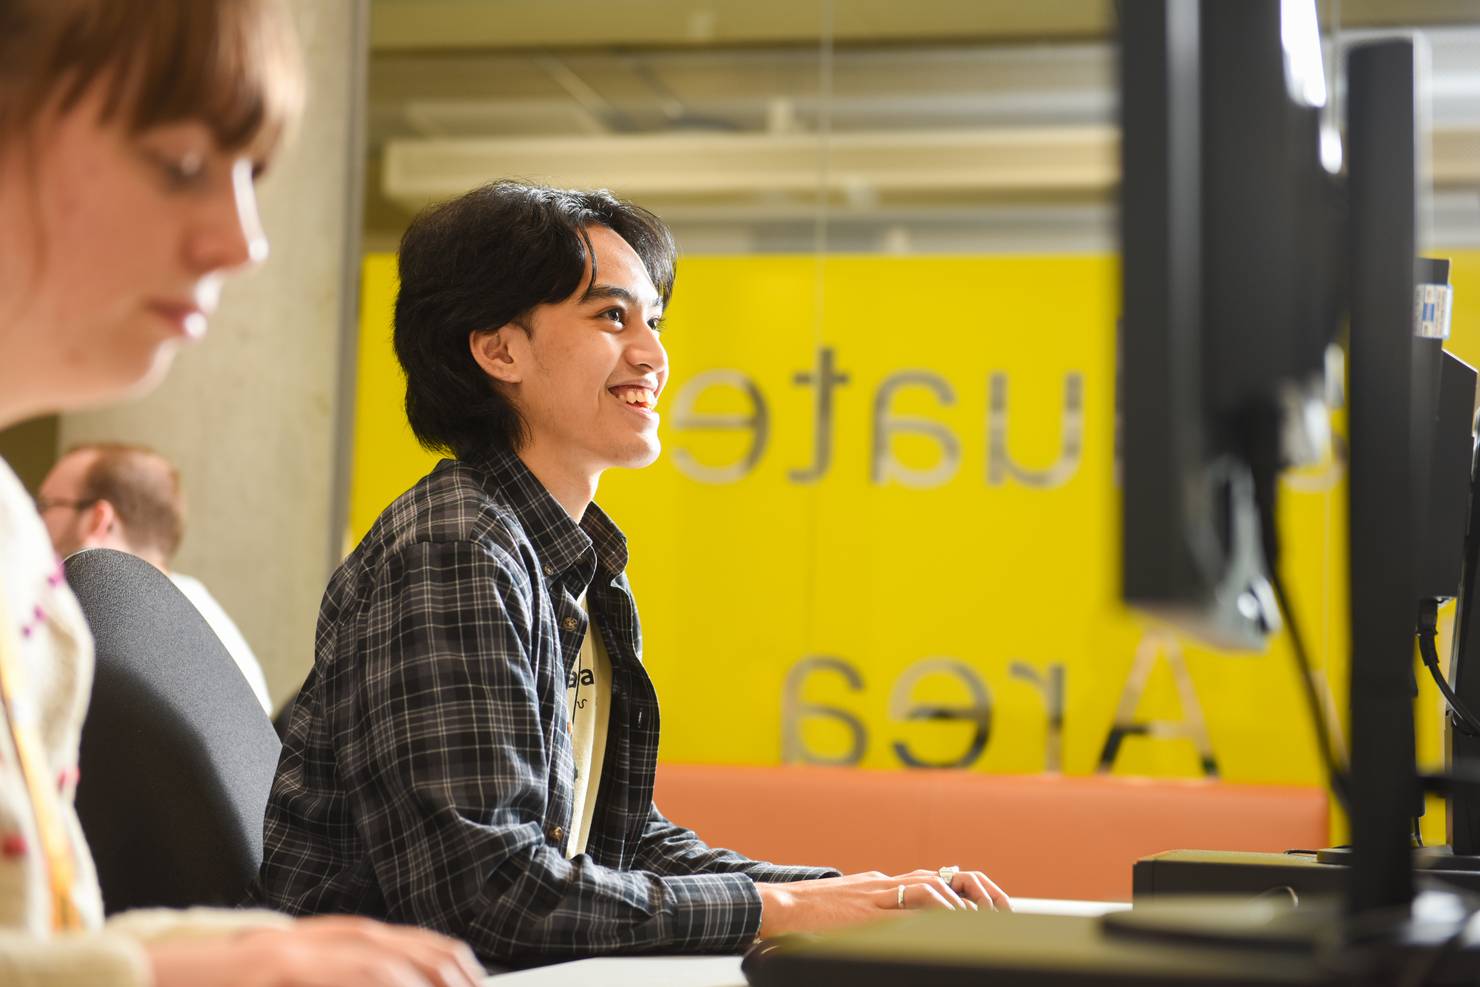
(1038, 836)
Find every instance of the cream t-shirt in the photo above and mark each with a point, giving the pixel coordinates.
(588, 697)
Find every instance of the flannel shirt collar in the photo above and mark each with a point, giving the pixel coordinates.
(562, 544)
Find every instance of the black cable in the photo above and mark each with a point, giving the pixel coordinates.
(1428, 628)
(1334, 773)
(1261, 432)
(1261, 447)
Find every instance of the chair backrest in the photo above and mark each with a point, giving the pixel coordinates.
(177, 756)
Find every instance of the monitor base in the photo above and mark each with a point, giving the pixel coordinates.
(1424, 858)
(1186, 942)
(1444, 858)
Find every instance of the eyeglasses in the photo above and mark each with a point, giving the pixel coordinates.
(44, 504)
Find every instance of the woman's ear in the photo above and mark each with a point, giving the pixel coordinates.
(494, 351)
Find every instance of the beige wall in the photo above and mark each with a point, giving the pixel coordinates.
(253, 415)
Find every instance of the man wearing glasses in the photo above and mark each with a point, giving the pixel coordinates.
(128, 497)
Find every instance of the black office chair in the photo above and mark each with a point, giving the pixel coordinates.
(177, 754)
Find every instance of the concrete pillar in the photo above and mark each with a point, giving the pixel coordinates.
(257, 415)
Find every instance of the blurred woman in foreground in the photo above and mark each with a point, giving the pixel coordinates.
(131, 135)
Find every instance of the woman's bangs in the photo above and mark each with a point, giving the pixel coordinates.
(233, 66)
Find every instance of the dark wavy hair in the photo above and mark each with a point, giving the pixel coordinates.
(481, 261)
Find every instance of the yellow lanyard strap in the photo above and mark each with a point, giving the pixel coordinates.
(55, 843)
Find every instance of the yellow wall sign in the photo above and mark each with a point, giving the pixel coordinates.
(883, 530)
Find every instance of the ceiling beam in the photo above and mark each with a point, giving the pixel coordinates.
(423, 24)
(405, 25)
(1075, 161)
(999, 160)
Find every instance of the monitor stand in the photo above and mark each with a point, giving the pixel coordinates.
(1424, 858)
(1444, 858)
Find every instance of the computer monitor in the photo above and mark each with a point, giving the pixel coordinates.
(1443, 451)
(1463, 802)
(1242, 248)
(1232, 266)
(1444, 396)
(1237, 267)
(1455, 429)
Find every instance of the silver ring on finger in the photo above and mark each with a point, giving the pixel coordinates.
(899, 896)
(948, 874)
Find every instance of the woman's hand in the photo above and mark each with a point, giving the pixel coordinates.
(806, 906)
(333, 951)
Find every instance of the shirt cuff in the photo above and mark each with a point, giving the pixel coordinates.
(719, 913)
(781, 874)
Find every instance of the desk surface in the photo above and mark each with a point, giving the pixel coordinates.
(713, 971)
(630, 971)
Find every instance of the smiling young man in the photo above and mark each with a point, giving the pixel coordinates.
(474, 750)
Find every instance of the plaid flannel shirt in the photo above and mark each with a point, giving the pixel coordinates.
(427, 773)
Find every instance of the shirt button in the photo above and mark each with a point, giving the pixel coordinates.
(570, 623)
(549, 570)
(557, 833)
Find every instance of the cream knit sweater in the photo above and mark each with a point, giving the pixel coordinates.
(55, 652)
